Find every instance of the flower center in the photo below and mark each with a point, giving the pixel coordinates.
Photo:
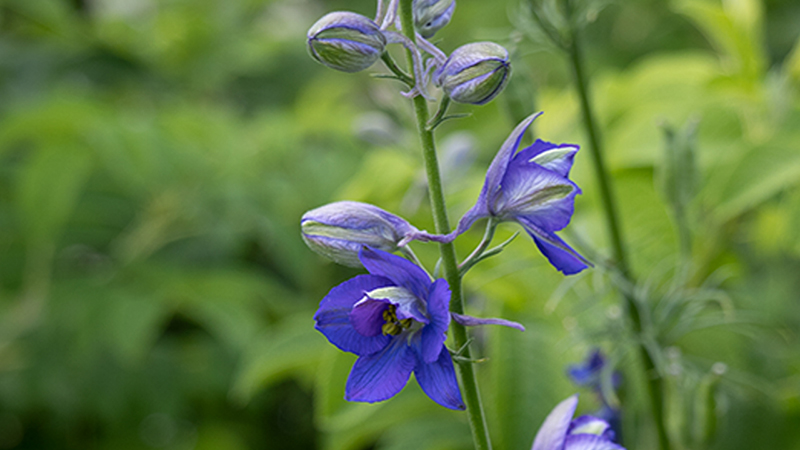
(393, 326)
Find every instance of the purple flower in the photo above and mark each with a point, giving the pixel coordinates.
(588, 374)
(532, 187)
(395, 320)
(560, 432)
(339, 230)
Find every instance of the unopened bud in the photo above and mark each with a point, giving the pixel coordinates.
(475, 73)
(346, 41)
(431, 16)
(339, 230)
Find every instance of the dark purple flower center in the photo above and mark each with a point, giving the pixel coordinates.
(388, 311)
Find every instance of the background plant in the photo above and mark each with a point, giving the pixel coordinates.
(155, 158)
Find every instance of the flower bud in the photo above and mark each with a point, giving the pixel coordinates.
(431, 16)
(339, 230)
(475, 73)
(346, 41)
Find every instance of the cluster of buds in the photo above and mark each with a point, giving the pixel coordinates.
(474, 73)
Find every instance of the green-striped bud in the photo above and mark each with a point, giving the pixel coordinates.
(339, 230)
(475, 73)
(346, 41)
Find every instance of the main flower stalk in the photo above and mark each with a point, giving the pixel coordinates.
(469, 384)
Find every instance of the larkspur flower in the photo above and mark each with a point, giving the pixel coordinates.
(532, 188)
(346, 41)
(588, 374)
(395, 320)
(474, 73)
(560, 432)
(339, 230)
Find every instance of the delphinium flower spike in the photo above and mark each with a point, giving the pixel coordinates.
(532, 188)
(560, 432)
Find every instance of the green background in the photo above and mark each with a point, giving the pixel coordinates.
(156, 157)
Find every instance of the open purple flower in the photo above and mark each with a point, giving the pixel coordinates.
(395, 320)
(588, 373)
(560, 432)
(532, 187)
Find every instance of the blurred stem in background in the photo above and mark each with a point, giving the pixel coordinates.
(568, 39)
(655, 383)
(469, 384)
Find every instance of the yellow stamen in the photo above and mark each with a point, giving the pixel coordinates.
(391, 328)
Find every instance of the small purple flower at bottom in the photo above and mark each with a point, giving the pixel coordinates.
(588, 373)
(395, 319)
(560, 432)
(531, 187)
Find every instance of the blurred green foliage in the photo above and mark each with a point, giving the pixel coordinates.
(156, 155)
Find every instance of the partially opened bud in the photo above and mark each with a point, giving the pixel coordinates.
(431, 16)
(339, 230)
(346, 41)
(475, 73)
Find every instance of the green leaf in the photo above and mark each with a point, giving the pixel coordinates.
(734, 27)
(292, 348)
(761, 173)
(527, 381)
(383, 178)
(48, 189)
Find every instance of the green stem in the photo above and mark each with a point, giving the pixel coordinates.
(601, 172)
(491, 226)
(469, 383)
(439, 117)
(398, 72)
(655, 383)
